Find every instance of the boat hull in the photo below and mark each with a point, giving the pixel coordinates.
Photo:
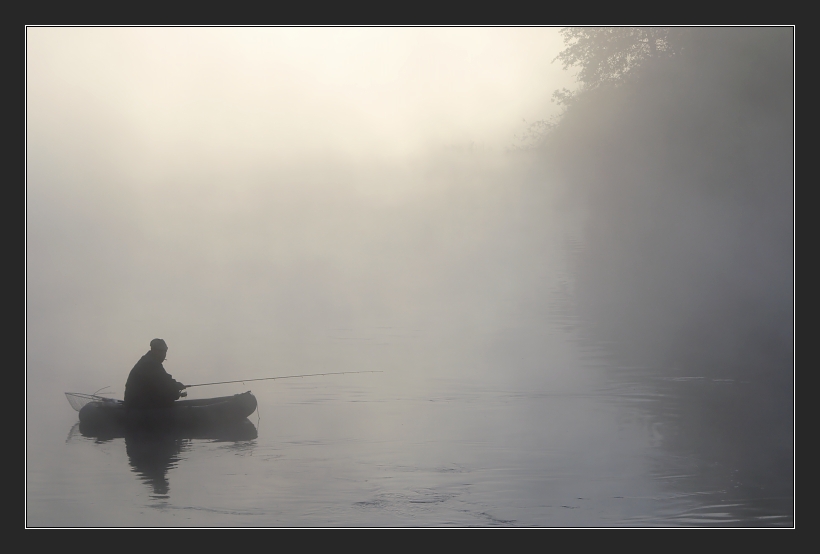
(183, 414)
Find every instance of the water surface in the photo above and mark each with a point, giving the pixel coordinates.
(546, 433)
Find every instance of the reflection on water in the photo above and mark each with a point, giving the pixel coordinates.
(711, 447)
(519, 417)
(545, 427)
(530, 422)
(152, 456)
(152, 453)
(614, 448)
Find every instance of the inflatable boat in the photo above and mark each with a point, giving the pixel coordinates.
(97, 412)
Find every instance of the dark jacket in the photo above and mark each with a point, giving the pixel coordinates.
(150, 386)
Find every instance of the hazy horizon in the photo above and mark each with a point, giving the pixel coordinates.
(278, 200)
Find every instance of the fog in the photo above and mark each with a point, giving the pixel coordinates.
(276, 201)
(232, 190)
(688, 259)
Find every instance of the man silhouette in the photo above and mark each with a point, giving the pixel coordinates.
(148, 384)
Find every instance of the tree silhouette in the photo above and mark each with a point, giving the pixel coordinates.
(611, 55)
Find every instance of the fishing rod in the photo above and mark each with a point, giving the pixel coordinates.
(281, 377)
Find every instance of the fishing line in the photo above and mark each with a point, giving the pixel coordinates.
(281, 377)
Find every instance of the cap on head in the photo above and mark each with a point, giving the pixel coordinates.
(158, 344)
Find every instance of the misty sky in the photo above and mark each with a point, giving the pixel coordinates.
(563, 321)
(257, 95)
(235, 186)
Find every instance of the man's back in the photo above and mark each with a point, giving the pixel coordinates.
(150, 386)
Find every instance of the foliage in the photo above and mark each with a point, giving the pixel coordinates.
(611, 55)
(686, 168)
(606, 56)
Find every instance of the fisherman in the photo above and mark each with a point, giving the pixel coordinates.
(149, 385)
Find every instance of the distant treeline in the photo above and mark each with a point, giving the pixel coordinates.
(680, 141)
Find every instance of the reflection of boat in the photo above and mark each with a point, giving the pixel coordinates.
(152, 452)
(151, 455)
(154, 438)
(191, 416)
